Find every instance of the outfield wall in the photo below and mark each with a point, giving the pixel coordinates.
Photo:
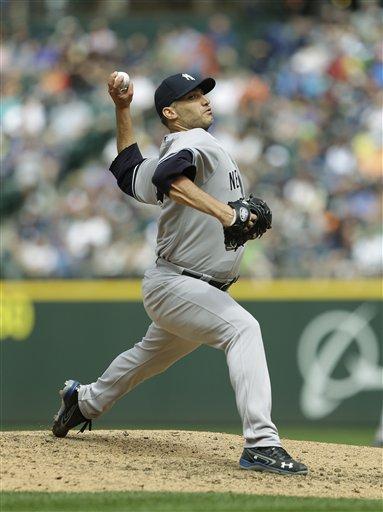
(322, 340)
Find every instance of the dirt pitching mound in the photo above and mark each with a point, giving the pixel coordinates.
(178, 461)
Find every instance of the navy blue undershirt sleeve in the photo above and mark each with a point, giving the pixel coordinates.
(180, 164)
(123, 167)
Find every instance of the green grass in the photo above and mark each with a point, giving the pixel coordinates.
(175, 502)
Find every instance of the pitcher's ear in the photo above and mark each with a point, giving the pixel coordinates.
(169, 113)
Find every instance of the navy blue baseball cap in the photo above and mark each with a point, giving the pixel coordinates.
(176, 86)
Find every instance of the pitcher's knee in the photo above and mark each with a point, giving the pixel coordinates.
(254, 325)
(248, 325)
(245, 328)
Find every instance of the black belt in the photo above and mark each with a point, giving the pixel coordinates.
(212, 282)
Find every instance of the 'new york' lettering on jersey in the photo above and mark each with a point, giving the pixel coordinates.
(234, 180)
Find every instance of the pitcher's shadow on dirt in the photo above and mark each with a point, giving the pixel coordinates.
(143, 445)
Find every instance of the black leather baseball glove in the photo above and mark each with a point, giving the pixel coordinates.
(242, 231)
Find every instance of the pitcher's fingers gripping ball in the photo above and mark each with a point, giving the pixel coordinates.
(125, 80)
(120, 88)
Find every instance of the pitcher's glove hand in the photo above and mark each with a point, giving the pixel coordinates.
(244, 228)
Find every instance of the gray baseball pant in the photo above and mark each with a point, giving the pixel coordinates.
(186, 313)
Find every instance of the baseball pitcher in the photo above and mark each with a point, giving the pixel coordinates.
(205, 221)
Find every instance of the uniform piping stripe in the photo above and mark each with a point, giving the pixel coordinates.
(175, 153)
(167, 157)
(134, 179)
(192, 154)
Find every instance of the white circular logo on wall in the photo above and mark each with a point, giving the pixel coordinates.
(323, 346)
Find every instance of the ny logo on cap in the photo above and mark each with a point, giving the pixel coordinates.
(188, 77)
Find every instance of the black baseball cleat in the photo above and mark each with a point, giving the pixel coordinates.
(69, 414)
(274, 459)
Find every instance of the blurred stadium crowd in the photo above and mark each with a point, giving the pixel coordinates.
(298, 104)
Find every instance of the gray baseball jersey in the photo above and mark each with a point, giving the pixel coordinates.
(187, 237)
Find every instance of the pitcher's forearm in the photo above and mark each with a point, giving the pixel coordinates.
(184, 191)
(124, 125)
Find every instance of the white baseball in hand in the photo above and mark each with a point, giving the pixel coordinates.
(125, 82)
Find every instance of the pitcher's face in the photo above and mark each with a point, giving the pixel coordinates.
(191, 111)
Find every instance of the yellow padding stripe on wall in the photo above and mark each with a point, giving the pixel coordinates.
(245, 289)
